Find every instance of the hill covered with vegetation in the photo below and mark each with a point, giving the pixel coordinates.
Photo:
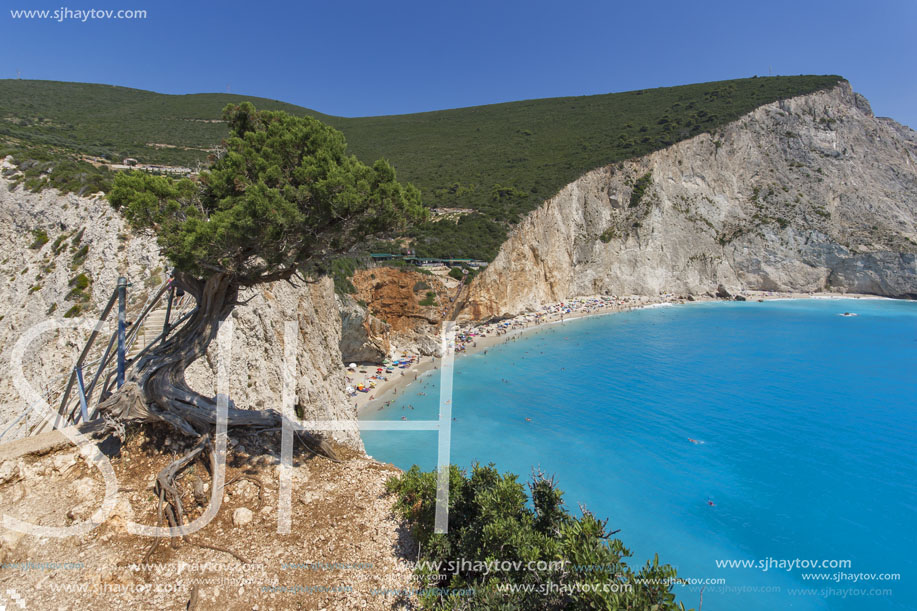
(499, 161)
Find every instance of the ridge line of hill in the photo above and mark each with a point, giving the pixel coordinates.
(493, 163)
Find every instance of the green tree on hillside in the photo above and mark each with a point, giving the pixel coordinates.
(281, 198)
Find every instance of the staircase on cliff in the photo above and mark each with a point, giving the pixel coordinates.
(154, 324)
(75, 396)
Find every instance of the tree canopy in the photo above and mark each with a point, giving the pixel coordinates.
(532, 537)
(281, 193)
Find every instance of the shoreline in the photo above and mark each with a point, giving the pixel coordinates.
(388, 390)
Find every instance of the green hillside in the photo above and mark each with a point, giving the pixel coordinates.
(501, 160)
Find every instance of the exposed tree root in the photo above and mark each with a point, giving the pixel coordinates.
(225, 550)
(155, 390)
(168, 489)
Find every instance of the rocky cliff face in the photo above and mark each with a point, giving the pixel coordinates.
(808, 194)
(364, 338)
(37, 283)
(402, 313)
(256, 373)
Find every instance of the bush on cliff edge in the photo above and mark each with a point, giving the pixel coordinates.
(548, 559)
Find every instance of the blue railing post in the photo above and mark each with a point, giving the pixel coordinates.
(122, 298)
(81, 387)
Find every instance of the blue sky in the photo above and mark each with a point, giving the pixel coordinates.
(359, 58)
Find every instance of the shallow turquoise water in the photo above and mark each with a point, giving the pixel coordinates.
(808, 421)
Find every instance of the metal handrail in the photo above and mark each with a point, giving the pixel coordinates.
(179, 307)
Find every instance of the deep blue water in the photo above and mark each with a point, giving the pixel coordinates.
(808, 421)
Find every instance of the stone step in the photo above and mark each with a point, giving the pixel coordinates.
(152, 327)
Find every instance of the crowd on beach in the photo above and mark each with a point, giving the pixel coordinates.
(556, 312)
(369, 381)
(373, 375)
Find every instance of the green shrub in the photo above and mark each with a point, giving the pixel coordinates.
(429, 300)
(78, 288)
(58, 244)
(41, 238)
(79, 282)
(77, 239)
(492, 518)
(608, 235)
(341, 271)
(640, 187)
(398, 264)
(79, 257)
(420, 285)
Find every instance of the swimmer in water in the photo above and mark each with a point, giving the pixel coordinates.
(528, 419)
(711, 503)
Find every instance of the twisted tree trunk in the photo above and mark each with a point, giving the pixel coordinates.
(155, 389)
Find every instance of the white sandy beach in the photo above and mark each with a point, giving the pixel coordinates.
(491, 334)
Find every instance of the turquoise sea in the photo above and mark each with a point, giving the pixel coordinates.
(712, 432)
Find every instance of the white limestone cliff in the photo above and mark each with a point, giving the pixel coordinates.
(813, 193)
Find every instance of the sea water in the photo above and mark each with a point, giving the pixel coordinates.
(773, 434)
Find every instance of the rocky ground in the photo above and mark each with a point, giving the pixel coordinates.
(344, 543)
